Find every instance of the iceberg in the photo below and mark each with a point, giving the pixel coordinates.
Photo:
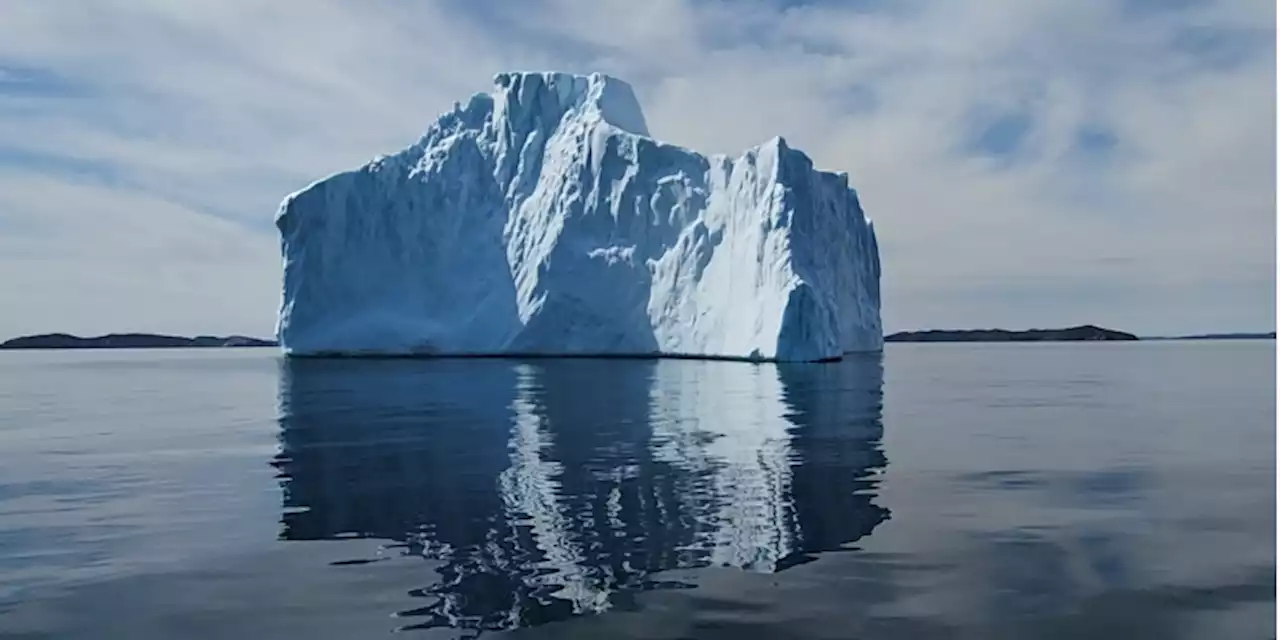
(542, 218)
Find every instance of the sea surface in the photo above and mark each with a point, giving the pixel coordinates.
(1075, 490)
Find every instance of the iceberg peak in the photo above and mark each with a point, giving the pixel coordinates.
(610, 99)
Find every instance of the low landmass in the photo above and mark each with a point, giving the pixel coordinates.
(1070, 334)
(130, 341)
(1219, 336)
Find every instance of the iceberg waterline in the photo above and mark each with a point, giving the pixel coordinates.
(542, 219)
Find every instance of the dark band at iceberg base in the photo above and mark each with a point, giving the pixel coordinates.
(516, 356)
(541, 220)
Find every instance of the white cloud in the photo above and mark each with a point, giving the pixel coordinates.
(173, 113)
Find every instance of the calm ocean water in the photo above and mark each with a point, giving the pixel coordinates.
(940, 491)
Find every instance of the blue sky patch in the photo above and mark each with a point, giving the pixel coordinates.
(998, 134)
(1221, 47)
(59, 165)
(1095, 140)
(28, 81)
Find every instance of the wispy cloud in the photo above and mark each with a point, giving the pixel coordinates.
(1027, 163)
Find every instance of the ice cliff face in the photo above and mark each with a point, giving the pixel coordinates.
(543, 219)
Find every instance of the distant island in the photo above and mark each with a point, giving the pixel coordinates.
(1071, 334)
(130, 341)
(1219, 336)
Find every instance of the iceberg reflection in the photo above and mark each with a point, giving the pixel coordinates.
(547, 489)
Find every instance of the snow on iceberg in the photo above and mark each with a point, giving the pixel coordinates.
(542, 219)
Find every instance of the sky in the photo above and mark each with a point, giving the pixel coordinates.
(1027, 163)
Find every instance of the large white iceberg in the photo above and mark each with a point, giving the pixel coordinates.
(542, 219)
